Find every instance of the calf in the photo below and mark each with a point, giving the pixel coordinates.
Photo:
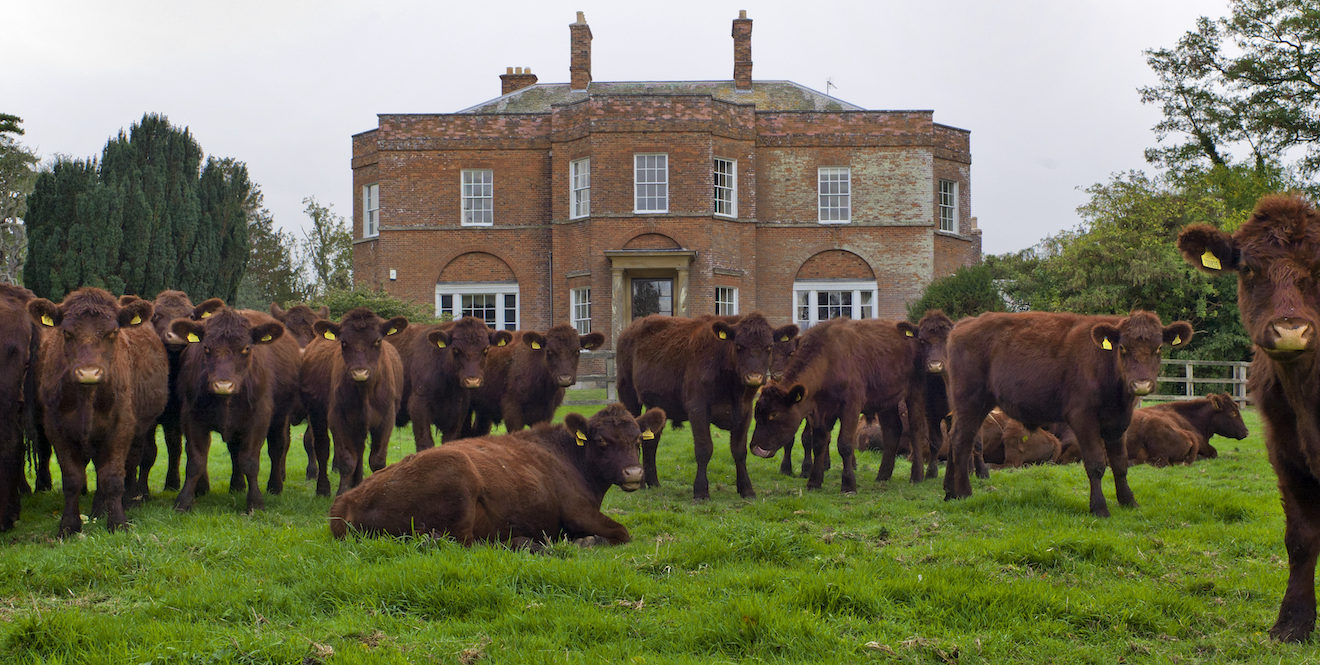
(441, 369)
(1042, 367)
(703, 370)
(532, 486)
(841, 370)
(352, 381)
(231, 382)
(19, 340)
(523, 382)
(102, 380)
(1179, 432)
(298, 321)
(167, 306)
(1009, 443)
(1276, 255)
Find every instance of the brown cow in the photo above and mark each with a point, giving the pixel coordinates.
(523, 382)
(841, 370)
(1179, 432)
(352, 381)
(532, 486)
(701, 370)
(1042, 367)
(1007, 442)
(441, 369)
(298, 321)
(234, 381)
(1276, 255)
(19, 340)
(167, 306)
(102, 380)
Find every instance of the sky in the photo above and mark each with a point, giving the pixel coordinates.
(1047, 89)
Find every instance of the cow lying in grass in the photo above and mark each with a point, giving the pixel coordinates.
(1179, 432)
(529, 487)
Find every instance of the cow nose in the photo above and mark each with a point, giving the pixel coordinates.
(361, 374)
(566, 380)
(174, 340)
(89, 375)
(935, 367)
(222, 387)
(632, 478)
(1142, 387)
(1292, 335)
(472, 382)
(754, 379)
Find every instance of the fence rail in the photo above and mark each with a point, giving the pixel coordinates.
(604, 359)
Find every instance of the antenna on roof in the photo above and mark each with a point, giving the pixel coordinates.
(829, 83)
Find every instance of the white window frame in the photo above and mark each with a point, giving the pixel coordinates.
(726, 184)
(834, 194)
(455, 291)
(807, 294)
(371, 210)
(478, 195)
(581, 309)
(726, 300)
(650, 182)
(579, 188)
(948, 205)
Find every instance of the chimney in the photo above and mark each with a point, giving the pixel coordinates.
(579, 52)
(516, 78)
(742, 51)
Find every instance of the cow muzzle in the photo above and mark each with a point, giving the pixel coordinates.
(632, 479)
(565, 380)
(223, 387)
(1143, 387)
(762, 452)
(361, 374)
(174, 341)
(935, 367)
(754, 379)
(89, 375)
(472, 382)
(1291, 335)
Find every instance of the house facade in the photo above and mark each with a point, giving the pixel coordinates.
(599, 202)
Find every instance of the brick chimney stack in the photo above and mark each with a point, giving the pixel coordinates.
(742, 51)
(516, 78)
(579, 67)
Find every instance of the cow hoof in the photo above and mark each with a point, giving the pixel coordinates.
(1291, 632)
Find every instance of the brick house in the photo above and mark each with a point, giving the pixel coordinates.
(598, 202)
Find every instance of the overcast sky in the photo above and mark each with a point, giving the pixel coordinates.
(1047, 89)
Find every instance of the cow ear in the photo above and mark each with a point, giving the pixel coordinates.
(534, 340)
(722, 330)
(577, 426)
(907, 329)
(1105, 336)
(267, 333)
(439, 338)
(394, 326)
(651, 423)
(207, 308)
(797, 393)
(1178, 334)
(785, 333)
(135, 313)
(501, 338)
(326, 329)
(591, 341)
(1208, 249)
(188, 329)
(277, 311)
(1217, 401)
(127, 298)
(44, 312)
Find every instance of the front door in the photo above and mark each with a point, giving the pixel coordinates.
(652, 295)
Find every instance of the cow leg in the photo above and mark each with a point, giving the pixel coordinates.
(419, 409)
(848, 459)
(588, 526)
(11, 472)
(73, 478)
(199, 448)
(44, 483)
(889, 440)
(309, 445)
(820, 447)
(966, 422)
(786, 464)
(703, 448)
(1118, 461)
(277, 448)
(808, 452)
(1093, 459)
(248, 462)
(738, 448)
(1301, 537)
(173, 452)
(137, 467)
(317, 427)
(110, 472)
(380, 445)
(348, 457)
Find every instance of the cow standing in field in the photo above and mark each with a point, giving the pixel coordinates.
(167, 306)
(1179, 432)
(844, 369)
(298, 321)
(1042, 367)
(523, 382)
(352, 383)
(102, 379)
(528, 487)
(1276, 255)
(19, 340)
(701, 370)
(441, 369)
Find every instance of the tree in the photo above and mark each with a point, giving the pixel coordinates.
(969, 291)
(18, 174)
(273, 271)
(328, 248)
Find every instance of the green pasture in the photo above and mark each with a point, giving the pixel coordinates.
(1019, 573)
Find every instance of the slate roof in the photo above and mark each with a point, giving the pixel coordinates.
(766, 95)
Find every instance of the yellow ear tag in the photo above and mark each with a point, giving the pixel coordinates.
(193, 338)
(391, 331)
(1210, 260)
(329, 335)
(1025, 437)
(907, 332)
(1106, 345)
(502, 343)
(536, 346)
(440, 343)
(581, 439)
(265, 338)
(723, 335)
(47, 321)
(136, 320)
(207, 315)
(1177, 339)
(784, 338)
(647, 435)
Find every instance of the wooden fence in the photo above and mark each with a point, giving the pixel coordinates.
(607, 378)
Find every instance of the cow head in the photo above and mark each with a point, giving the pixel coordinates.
(748, 342)
(1276, 255)
(360, 335)
(168, 306)
(610, 442)
(221, 346)
(933, 334)
(779, 412)
(1137, 343)
(298, 320)
(87, 324)
(462, 345)
(559, 350)
(786, 342)
(1227, 418)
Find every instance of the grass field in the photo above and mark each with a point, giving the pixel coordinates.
(1019, 573)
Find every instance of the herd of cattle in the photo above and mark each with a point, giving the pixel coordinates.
(90, 380)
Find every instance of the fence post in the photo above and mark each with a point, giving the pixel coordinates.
(1190, 386)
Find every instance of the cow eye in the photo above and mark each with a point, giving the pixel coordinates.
(112, 334)
(1122, 349)
(207, 350)
(247, 350)
(376, 344)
